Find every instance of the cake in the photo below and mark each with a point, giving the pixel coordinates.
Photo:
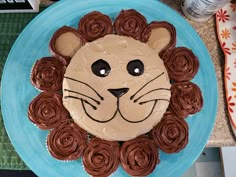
(115, 93)
(98, 102)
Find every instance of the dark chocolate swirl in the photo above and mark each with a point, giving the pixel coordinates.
(47, 74)
(171, 133)
(130, 23)
(95, 25)
(52, 44)
(67, 142)
(139, 156)
(181, 64)
(186, 98)
(161, 24)
(47, 111)
(101, 157)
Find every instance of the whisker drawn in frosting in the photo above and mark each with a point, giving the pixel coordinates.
(150, 92)
(72, 91)
(86, 85)
(74, 97)
(144, 102)
(146, 85)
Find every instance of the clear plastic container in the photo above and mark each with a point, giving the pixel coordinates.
(201, 10)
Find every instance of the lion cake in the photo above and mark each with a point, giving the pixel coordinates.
(115, 92)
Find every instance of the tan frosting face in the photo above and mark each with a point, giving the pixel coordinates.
(155, 41)
(68, 43)
(116, 88)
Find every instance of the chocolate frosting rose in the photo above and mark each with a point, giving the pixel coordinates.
(161, 24)
(171, 133)
(47, 111)
(52, 44)
(95, 25)
(181, 64)
(47, 74)
(186, 98)
(130, 23)
(139, 156)
(101, 157)
(67, 142)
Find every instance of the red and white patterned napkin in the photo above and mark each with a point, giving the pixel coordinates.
(226, 30)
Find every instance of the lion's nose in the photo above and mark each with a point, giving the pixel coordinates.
(118, 92)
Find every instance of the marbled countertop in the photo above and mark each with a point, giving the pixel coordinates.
(221, 135)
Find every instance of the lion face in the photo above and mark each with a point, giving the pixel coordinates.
(116, 88)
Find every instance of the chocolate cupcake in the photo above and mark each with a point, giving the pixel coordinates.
(186, 98)
(95, 25)
(171, 133)
(130, 23)
(67, 142)
(47, 74)
(156, 28)
(46, 111)
(139, 156)
(65, 42)
(181, 64)
(101, 157)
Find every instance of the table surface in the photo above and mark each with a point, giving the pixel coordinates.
(221, 134)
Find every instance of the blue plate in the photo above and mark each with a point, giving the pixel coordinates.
(32, 44)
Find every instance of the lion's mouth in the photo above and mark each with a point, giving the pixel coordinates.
(119, 112)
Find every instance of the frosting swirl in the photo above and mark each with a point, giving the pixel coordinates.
(161, 24)
(67, 142)
(95, 25)
(171, 133)
(186, 98)
(130, 23)
(139, 156)
(181, 64)
(47, 111)
(65, 58)
(101, 157)
(47, 74)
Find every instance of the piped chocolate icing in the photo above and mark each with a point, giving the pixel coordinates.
(181, 64)
(186, 98)
(139, 156)
(47, 74)
(62, 53)
(67, 142)
(95, 25)
(171, 133)
(47, 111)
(101, 157)
(130, 23)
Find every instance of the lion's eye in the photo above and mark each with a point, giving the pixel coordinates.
(101, 68)
(135, 67)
